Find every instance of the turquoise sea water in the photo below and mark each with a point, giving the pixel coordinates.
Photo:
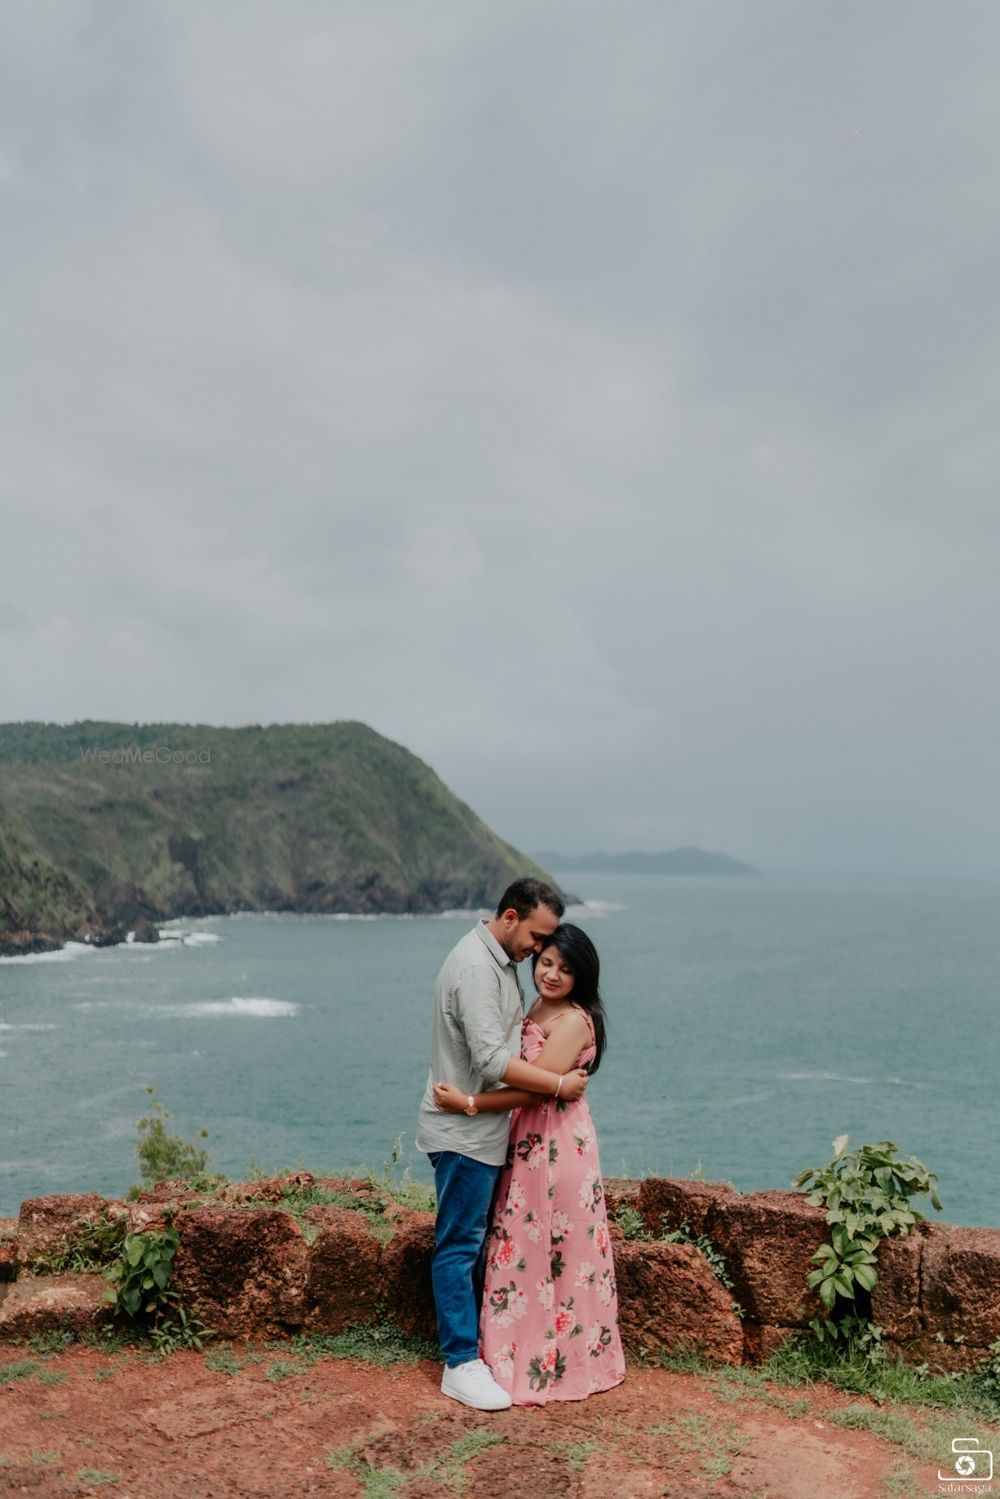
(750, 1022)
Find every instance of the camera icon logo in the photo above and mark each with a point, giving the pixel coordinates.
(973, 1464)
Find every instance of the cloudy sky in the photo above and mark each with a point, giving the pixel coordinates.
(602, 400)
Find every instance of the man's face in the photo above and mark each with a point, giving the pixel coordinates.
(521, 938)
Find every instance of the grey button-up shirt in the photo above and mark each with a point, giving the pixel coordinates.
(478, 1008)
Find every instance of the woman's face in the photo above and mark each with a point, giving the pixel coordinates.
(552, 977)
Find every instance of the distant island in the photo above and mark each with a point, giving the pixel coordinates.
(111, 827)
(672, 861)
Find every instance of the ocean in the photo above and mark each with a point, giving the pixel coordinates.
(750, 1022)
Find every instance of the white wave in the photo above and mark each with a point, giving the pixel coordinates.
(598, 907)
(200, 939)
(367, 916)
(61, 954)
(845, 1077)
(260, 1006)
(26, 1026)
(822, 1077)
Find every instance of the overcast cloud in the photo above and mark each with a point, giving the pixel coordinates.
(602, 400)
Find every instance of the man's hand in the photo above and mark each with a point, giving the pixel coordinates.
(573, 1084)
(449, 1098)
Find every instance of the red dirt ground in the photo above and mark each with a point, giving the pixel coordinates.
(85, 1422)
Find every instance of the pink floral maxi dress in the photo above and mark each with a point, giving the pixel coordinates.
(549, 1325)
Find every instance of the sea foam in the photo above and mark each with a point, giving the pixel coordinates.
(61, 954)
(256, 1006)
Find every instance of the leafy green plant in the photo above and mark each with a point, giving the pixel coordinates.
(716, 1262)
(631, 1222)
(868, 1196)
(164, 1157)
(140, 1283)
(143, 1272)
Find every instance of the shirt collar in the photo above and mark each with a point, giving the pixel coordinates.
(483, 932)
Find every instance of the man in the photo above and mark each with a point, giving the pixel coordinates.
(476, 1044)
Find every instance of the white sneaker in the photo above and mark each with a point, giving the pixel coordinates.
(474, 1385)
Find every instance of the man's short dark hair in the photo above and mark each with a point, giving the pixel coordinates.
(524, 895)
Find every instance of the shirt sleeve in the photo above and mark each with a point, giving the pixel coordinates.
(478, 1009)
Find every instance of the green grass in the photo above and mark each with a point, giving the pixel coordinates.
(575, 1453)
(450, 1469)
(55, 1341)
(913, 1410)
(341, 1459)
(285, 1369)
(380, 1343)
(900, 1481)
(706, 1440)
(868, 1372)
(804, 1362)
(924, 1435)
(223, 1360)
(26, 1369)
(96, 1476)
(376, 1483)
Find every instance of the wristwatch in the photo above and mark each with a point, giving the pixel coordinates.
(470, 1107)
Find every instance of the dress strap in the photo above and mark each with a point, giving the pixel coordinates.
(590, 1024)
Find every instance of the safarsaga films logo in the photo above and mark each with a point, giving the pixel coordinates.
(973, 1469)
(132, 755)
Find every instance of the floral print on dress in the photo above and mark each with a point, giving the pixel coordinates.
(549, 1266)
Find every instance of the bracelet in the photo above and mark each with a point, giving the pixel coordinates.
(558, 1086)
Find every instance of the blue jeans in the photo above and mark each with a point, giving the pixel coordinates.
(464, 1193)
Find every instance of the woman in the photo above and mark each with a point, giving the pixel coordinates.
(549, 1324)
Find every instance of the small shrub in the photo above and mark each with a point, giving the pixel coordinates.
(868, 1196)
(164, 1157)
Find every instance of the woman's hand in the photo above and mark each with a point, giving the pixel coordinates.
(449, 1098)
(573, 1084)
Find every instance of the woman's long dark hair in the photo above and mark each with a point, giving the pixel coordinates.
(580, 956)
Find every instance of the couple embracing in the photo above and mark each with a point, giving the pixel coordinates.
(523, 1276)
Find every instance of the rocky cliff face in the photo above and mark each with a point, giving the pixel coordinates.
(106, 825)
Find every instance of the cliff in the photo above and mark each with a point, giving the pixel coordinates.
(104, 824)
